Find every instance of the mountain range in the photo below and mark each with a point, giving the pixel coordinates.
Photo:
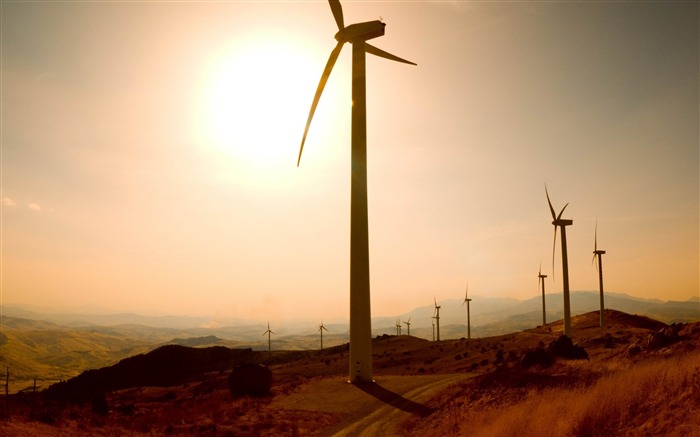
(53, 347)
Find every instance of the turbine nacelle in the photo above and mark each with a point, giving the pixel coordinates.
(361, 31)
(562, 222)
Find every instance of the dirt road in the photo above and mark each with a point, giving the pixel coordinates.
(371, 409)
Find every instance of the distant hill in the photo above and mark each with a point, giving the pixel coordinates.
(166, 366)
(51, 350)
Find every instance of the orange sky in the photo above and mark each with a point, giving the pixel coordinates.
(149, 153)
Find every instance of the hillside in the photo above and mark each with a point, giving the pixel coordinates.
(63, 346)
(181, 390)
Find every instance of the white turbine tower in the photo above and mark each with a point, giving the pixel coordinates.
(466, 301)
(541, 281)
(269, 340)
(408, 325)
(599, 254)
(436, 316)
(562, 223)
(322, 328)
(360, 312)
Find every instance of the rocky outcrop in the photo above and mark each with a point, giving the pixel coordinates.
(563, 347)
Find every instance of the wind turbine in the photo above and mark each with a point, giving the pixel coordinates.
(360, 312)
(466, 301)
(398, 326)
(562, 223)
(433, 327)
(436, 316)
(408, 325)
(322, 328)
(541, 280)
(599, 253)
(269, 341)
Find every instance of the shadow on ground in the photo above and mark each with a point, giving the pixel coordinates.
(395, 400)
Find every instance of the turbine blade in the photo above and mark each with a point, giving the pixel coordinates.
(337, 10)
(551, 208)
(322, 83)
(382, 54)
(562, 211)
(595, 240)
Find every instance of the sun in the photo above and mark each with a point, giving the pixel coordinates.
(256, 98)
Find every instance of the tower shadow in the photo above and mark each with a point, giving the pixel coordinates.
(395, 400)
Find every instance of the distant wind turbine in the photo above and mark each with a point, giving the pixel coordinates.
(408, 325)
(541, 281)
(599, 253)
(562, 223)
(360, 312)
(466, 301)
(322, 328)
(433, 327)
(436, 316)
(269, 341)
(398, 326)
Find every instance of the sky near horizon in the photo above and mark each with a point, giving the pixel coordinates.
(149, 153)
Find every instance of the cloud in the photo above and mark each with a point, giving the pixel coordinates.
(34, 206)
(6, 201)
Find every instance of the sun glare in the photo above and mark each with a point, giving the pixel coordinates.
(256, 100)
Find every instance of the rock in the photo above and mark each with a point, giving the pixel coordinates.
(633, 350)
(657, 340)
(536, 357)
(563, 347)
(250, 379)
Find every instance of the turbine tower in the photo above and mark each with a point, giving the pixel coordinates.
(408, 325)
(398, 326)
(541, 281)
(599, 253)
(322, 328)
(360, 312)
(269, 341)
(466, 301)
(562, 223)
(433, 321)
(436, 316)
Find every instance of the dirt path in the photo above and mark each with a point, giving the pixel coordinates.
(372, 409)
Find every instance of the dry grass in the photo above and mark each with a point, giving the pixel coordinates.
(653, 399)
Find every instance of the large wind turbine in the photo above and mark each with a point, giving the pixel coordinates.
(541, 281)
(562, 223)
(469, 324)
(599, 253)
(322, 328)
(436, 316)
(408, 325)
(269, 341)
(360, 313)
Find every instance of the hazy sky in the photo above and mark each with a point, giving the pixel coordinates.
(149, 153)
